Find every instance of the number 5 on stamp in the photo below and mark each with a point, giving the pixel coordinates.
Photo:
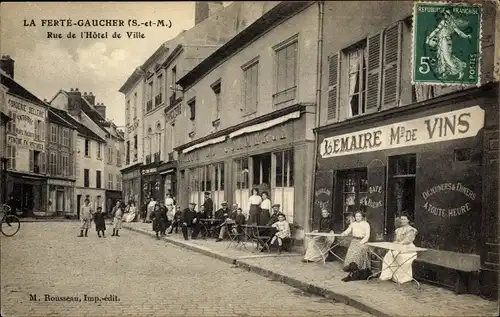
(446, 43)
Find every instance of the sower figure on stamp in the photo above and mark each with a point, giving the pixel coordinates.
(100, 225)
(85, 217)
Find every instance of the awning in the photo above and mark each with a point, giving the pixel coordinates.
(202, 144)
(168, 171)
(266, 125)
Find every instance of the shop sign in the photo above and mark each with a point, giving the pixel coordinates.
(448, 187)
(149, 171)
(257, 138)
(27, 117)
(453, 125)
(133, 126)
(172, 114)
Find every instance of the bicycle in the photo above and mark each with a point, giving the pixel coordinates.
(9, 224)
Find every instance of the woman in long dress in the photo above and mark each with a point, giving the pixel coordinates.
(441, 40)
(254, 202)
(396, 265)
(265, 208)
(317, 247)
(117, 220)
(131, 212)
(357, 260)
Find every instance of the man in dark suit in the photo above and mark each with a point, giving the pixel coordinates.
(198, 225)
(209, 205)
(274, 216)
(188, 219)
(223, 215)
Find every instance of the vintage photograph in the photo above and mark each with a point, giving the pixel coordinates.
(250, 158)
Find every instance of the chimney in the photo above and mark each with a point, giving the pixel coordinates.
(89, 97)
(74, 101)
(203, 10)
(7, 65)
(101, 108)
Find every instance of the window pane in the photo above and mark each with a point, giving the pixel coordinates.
(291, 65)
(245, 171)
(279, 169)
(216, 179)
(221, 170)
(290, 168)
(237, 171)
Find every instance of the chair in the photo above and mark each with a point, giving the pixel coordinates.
(236, 238)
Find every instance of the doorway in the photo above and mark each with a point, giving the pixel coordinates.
(60, 203)
(27, 198)
(262, 171)
(78, 205)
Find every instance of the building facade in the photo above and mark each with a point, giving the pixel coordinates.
(247, 116)
(385, 146)
(114, 159)
(4, 118)
(25, 149)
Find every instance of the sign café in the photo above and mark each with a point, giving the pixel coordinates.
(27, 117)
(459, 124)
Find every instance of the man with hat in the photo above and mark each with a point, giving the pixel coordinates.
(274, 216)
(188, 219)
(222, 214)
(209, 205)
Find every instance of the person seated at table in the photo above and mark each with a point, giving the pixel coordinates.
(283, 231)
(318, 246)
(274, 216)
(357, 260)
(254, 202)
(197, 225)
(398, 266)
(265, 208)
(222, 214)
(209, 206)
(188, 219)
(234, 211)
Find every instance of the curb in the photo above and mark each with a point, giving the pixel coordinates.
(46, 220)
(301, 285)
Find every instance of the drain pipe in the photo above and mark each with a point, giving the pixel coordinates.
(319, 54)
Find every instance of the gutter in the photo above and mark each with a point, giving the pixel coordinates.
(308, 224)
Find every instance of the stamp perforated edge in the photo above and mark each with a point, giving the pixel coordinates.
(480, 53)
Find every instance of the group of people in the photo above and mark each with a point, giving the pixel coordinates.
(87, 214)
(396, 265)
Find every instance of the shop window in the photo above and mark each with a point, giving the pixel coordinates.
(462, 155)
(261, 171)
(219, 176)
(86, 178)
(354, 193)
(401, 190)
(241, 178)
(282, 190)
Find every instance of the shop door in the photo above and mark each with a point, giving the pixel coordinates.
(78, 204)
(353, 186)
(60, 208)
(27, 194)
(282, 185)
(242, 181)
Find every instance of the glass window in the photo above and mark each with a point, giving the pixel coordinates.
(354, 186)
(357, 78)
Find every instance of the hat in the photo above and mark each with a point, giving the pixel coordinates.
(207, 193)
(194, 204)
(224, 203)
(277, 205)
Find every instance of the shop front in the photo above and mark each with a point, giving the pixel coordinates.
(150, 182)
(60, 197)
(432, 161)
(29, 191)
(168, 183)
(131, 177)
(273, 156)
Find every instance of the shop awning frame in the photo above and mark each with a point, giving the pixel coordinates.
(265, 125)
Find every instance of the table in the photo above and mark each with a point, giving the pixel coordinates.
(391, 246)
(330, 248)
(255, 235)
(207, 224)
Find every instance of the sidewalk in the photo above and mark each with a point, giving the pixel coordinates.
(46, 219)
(374, 296)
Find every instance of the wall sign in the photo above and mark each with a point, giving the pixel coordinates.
(453, 125)
(149, 171)
(436, 210)
(257, 138)
(133, 126)
(29, 120)
(172, 114)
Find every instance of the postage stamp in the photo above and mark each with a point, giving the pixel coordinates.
(446, 43)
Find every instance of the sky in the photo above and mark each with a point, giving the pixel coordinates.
(44, 65)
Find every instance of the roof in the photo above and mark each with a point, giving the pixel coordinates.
(82, 129)
(132, 79)
(17, 89)
(54, 117)
(277, 14)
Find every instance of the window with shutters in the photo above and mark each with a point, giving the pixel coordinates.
(286, 71)
(127, 112)
(52, 163)
(356, 59)
(110, 181)
(118, 182)
(333, 89)
(59, 164)
(250, 93)
(87, 148)
(53, 133)
(192, 109)
(11, 157)
(42, 163)
(98, 179)
(391, 75)
(86, 178)
(11, 124)
(65, 137)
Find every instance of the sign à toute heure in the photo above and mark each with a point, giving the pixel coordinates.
(463, 123)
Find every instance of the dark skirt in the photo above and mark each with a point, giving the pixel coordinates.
(158, 225)
(254, 214)
(100, 226)
(264, 217)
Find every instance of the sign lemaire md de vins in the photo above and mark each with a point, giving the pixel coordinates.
(453, 125)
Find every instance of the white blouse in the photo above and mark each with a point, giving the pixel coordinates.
(359, 230)
(169, 202)
(255, 200)
(266, 204)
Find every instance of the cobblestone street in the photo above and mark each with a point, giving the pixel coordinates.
(138, 276)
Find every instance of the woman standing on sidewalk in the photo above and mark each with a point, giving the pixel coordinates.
(117, 220)
(357, 261)
(254, 202)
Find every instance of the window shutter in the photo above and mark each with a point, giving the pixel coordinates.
(32, 163)
(392, 66)
(333, 80)
(374, 73)
(42, 131)
(42, 162)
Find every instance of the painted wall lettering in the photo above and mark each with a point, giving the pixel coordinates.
(30, 123)
(172, 114)
(446, 188)
(133, 126)
(447, 126)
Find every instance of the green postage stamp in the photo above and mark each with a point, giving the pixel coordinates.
(446, 43)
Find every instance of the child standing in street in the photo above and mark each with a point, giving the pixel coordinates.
(283, 231)
(117, 220)
(85, 217)
(100, 225)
